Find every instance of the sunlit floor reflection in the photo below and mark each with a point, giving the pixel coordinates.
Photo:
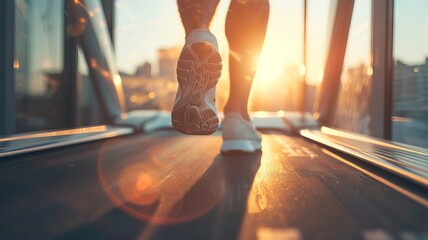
(176, 184)
(181, 179)
(261, 187)
(165, 184)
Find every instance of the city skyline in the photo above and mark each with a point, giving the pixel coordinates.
(145, 26)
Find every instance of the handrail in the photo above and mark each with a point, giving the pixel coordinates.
(98, 51)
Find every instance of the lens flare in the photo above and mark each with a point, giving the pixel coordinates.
(77, 27)
(140, 191)
(150, 185)
(159, 156)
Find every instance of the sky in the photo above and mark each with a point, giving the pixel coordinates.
(411, 31)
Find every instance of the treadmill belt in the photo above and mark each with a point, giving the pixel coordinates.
(165, 185)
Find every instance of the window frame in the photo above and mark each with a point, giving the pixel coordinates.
(382, 64)
(7, 52)
(380, 108)
(69, 92)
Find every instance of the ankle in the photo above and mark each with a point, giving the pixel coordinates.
(246, 116)
(202, 35)
(243, 114)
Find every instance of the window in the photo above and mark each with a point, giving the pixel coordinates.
(352, 111)
(38, 63)
(320, 17)
(410, 75)
(53, 89)
(149, 37)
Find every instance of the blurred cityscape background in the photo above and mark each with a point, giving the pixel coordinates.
(147, 42)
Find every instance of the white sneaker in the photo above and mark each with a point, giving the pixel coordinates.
(239, 134)
(198, 70)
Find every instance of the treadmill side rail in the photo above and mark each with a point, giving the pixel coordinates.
(25, 143)
(403, 160)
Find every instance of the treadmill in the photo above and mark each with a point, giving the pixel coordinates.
(137, 178)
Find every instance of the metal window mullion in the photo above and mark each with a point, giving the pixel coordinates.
(104, 76)
(68, 85)
(7, 52)
(304, 53)
(109, 10)
(382, 63)
(329, 91)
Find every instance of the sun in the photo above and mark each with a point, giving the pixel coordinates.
(269, 67)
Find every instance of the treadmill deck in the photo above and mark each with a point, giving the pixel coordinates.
(165, 185)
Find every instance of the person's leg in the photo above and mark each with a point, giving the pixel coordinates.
(246, 25)
(196, 13)
(198, 70)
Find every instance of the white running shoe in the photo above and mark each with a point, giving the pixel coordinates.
(198, 70)
(239, 135)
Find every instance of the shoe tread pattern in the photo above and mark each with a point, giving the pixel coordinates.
(198, 70)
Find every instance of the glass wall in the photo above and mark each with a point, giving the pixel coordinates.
(43, 74)
(149, 37)
(352, 111)
(320, 17)
(39, 27)
(278, 82)
(410, 75)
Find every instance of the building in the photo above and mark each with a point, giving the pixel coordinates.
(144, 70)
(410, 88)
(352, 111)
(168, 58)
(281, 93)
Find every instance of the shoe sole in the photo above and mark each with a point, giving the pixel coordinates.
(198, 70)
(240, 146)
